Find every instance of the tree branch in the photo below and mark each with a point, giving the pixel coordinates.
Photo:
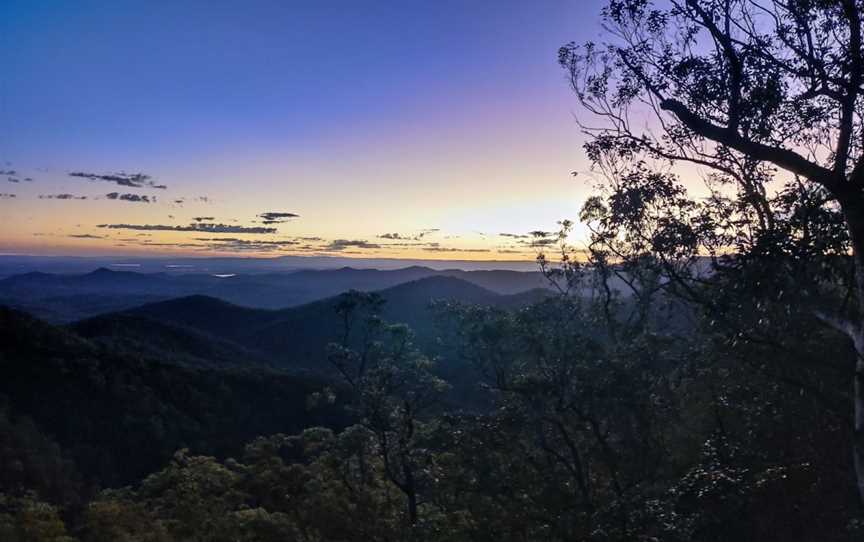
(786, 159)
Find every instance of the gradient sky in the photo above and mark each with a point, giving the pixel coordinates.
(446, 123)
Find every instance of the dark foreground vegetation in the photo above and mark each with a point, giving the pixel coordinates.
(699, 376)
(591, 417)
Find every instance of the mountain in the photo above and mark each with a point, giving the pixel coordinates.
(76, 307)
(140, 336)
(294, 337)
(69, 297)
(208, 315)
(189, 372)
(118, 417)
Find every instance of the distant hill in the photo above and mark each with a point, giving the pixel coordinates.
(294, 337)
(140, 336)
(65, 298)
(189, 372)
(119, 416)
(69, 308)
(208, 314)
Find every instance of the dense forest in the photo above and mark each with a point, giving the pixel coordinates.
(588, 417)
(696, 373)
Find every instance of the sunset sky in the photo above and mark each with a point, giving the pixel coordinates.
(391, 129)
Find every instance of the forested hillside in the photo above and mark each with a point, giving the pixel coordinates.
(118, 415)
(589, 425)
(294, 338)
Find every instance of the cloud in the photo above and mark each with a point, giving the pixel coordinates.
(516, 235)
(7, 196)
(134, 198)
(177, 245)
(277, 217)
(13, 180)
(61, 196)
(131, 180)
(85, 236)
(450, 249)
(235, 244)
(342, 244)
(309, 238)
(393, 236)
(535, 239)
(199, 227)
(204, 219)
(427, 231)
(8, 172)
(406, 244)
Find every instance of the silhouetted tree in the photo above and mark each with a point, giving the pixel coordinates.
(740, 90)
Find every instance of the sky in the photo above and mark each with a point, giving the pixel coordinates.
(433, 130)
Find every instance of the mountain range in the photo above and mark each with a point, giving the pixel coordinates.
(194, 329)
(70, 297)
(109, 398)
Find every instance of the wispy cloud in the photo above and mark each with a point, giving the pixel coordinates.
(394, 236)
(85, 236)
(427, 231)
(342, 244)
(7, 196)
(199, 227)
(541, 242)
(133, 198)
(405, 244)
(277, 217)
(131, 180)
(61, 196)
(204, 218)
(234, 244)
(453, 249)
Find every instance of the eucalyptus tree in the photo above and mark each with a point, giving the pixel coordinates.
(763, 99)
(395, 392)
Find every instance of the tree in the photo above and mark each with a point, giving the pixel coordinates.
(584, 396)
(748, 91)
(394, 389)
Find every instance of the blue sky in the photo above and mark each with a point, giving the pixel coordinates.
(445, 115)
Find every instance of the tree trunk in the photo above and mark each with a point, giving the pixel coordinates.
(858, 398)
(412, 507)
(853, 210)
